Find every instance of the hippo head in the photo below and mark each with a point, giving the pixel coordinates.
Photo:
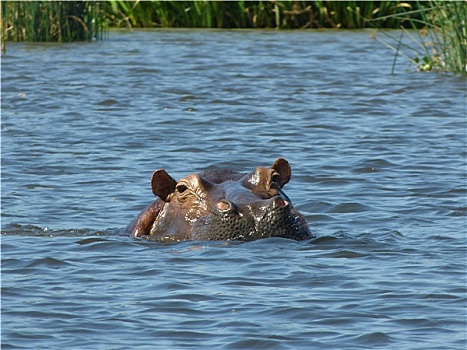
(226, 205)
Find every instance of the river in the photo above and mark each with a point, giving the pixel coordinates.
(378, 170)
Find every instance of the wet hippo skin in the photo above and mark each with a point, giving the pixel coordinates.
(221, 205)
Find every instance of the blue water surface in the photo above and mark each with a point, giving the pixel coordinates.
(379, 172)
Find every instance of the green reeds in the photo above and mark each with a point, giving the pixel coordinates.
(251, 14)
(51, 20)
(447, 29)
(443, 47)
(87, 20)
(441, 43)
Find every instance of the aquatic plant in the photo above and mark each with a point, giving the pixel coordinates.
(251, 14)
(88, 20)
(447, 30)
(51, 20)
(440, 44)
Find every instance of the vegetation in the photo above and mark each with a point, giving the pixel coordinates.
(441, 44)
(253, 14)
(51, 20)
(87, 20)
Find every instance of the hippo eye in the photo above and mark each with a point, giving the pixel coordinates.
(275, 177)
(181, 188)
(183, 192)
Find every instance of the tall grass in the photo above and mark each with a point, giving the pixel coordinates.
(51, 20)
(448, 33)
(441, 44)
(87, 20)
(443, 47)
(251, 14)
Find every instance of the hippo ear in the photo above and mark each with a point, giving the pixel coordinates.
(282, 167)
(162, 184)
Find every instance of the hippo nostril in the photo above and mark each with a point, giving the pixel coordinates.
(225, 206)
(280, 202)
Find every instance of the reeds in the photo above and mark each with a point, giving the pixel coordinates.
(87, 20)
(251, 14)
(441, 42)
(443, 23)
(51, 20)
(448, 36)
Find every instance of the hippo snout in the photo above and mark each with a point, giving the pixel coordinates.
(273, 217)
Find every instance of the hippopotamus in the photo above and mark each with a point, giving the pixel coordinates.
(221, 205)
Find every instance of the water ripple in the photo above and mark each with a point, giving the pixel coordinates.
(378, 171)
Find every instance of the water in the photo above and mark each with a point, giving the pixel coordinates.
(379, 172)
